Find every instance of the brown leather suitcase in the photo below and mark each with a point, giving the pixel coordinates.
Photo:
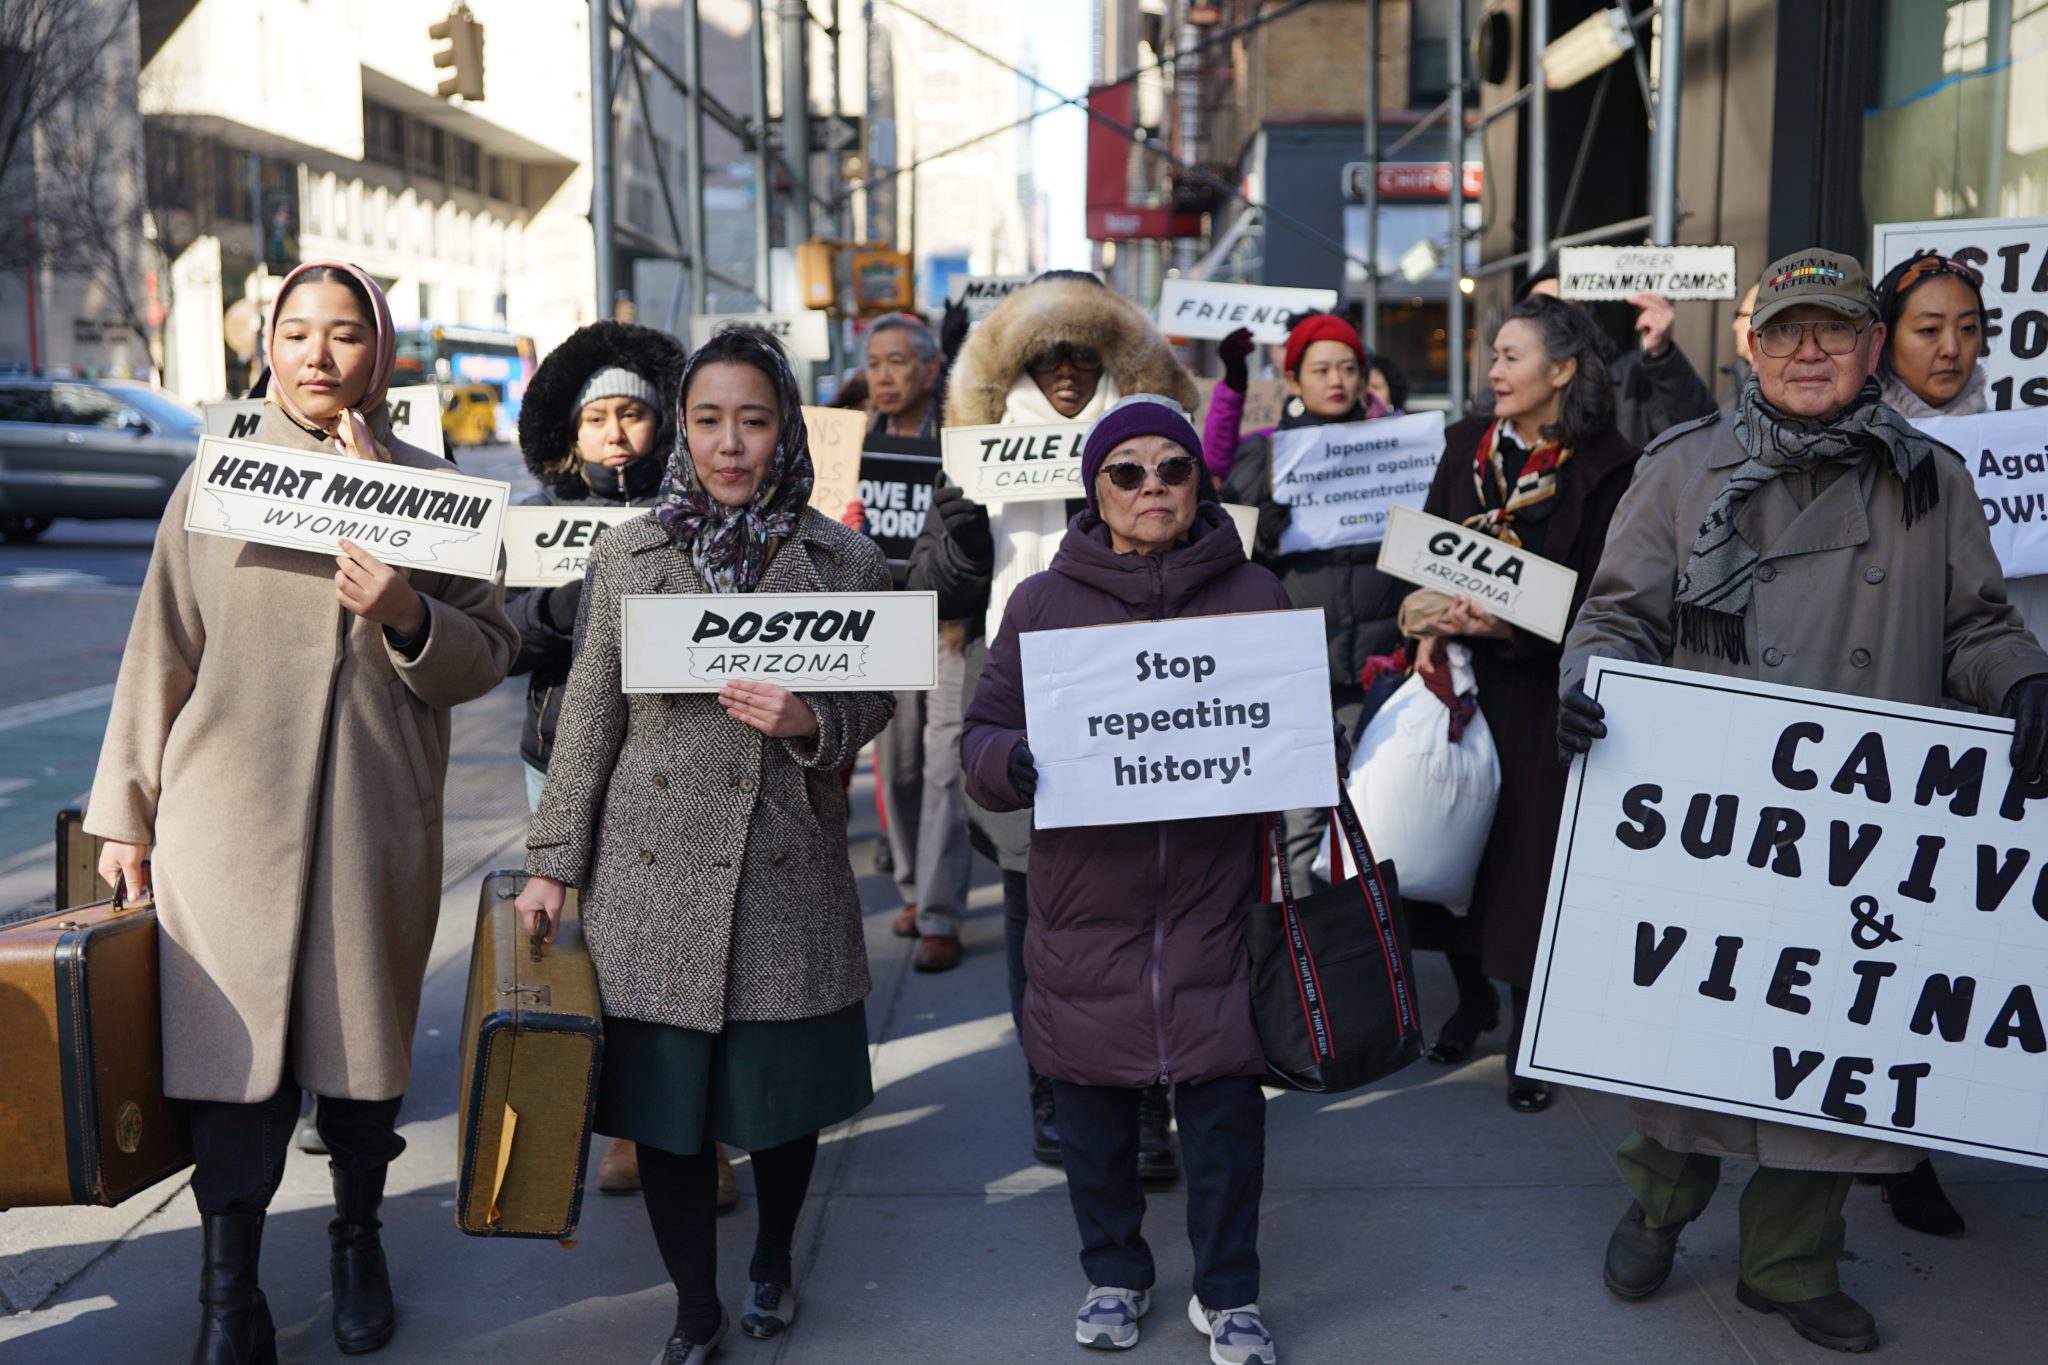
(78, 862)
(532, 1041)
(83, 1118)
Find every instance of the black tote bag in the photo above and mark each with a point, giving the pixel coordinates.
(1332, 981)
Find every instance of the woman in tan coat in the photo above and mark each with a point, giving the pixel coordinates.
(273, 771)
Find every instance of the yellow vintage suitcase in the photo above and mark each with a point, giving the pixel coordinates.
(532, 1041)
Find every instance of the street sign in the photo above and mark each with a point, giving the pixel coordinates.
(835, 133)
(1411, 180)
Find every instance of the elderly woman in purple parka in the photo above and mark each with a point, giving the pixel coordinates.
(1137, 963)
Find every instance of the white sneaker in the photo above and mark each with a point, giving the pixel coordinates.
(1237, 1336)
(1108, 1321)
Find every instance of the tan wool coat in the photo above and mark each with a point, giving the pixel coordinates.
(1848, 598)
(286, 763)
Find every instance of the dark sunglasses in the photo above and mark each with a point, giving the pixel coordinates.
(1085, 359)
(1129, 475)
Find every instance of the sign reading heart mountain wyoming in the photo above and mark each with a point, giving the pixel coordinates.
(546, 546)
(1520, 588)
(822, 642)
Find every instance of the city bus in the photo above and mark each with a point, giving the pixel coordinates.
(455, 356)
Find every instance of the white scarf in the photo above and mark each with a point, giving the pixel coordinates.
(1911, 406)
(1027, 534)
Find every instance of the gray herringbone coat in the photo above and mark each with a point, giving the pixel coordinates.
(713, 862)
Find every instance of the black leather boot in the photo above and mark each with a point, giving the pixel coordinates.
(1917, 1200)
(1835, 1320)
(235, 1326)
(364, 1318)
(1156, 1158)
(1045, 1132)
(1639, 1257)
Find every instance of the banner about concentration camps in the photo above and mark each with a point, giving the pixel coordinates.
(804, 335)
(1206, 309)
(1800, 906)
(1343, 479)
(808, 642)
(1167, 720)
(981, 293)
(997, 464)
(415, 417)
(1676, 272)
(1520, 588)
(549, 545)
(2008, 457)
(896, 475)
(421, 519)
(835, 436)
(2013, 254)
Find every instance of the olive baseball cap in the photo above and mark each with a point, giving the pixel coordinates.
(1825, 279)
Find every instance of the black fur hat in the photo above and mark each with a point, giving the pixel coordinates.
(547, 423)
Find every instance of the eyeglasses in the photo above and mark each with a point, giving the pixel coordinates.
(1834, 336)
(1129, 475)
(1085, 359)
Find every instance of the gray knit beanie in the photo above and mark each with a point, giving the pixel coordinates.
(615, 381)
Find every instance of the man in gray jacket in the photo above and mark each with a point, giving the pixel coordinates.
(1813, 539)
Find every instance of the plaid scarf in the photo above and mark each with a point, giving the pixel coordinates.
(1718, 581)
(1534, 487)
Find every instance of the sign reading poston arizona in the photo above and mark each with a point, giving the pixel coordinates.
(1342, 480)
(1800, 906)
(414, 409)
(1520, 588)
(1165, 720)
(997, 464)
(417, 518)
(1204, 308)
(808, 642)
(546, 546)
(1676, 272)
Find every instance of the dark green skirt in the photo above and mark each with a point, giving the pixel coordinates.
(754, 1086)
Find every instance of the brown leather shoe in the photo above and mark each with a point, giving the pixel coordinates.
(618, 1170)
(937, 953)
(906, 922)
(728, 1187)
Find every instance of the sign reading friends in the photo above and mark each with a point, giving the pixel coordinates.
(1210, 310)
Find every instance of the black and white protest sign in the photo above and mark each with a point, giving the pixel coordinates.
(415, 411)
(2012, 253)
(998, 464)
(417, 518)
(896, 492)
(981, 293)
(1676, 272)
(546, 546)
(2008, 457)
(1207, 309)
(1520, 588)
(1168, 720)
(808, 642)
(804, 335)
(1800, 906)
(1342, 479)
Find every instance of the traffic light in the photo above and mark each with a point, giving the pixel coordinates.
(465, 53)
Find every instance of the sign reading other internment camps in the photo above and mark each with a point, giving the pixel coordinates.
(1169, 720)
(835, 436)
(2007, 453)
(1800, 906)
(997, 464)
(417, 518)
(415, 417)
(1676, 272)
(1342, 479)
(546, 546)
(808, 642)
(896, 475)
(803, 335)
(1201, 308)
(1520, 588)
(981, 293)
(2012, 253)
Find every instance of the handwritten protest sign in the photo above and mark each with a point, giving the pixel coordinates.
(1265, 403)
(2013, 254)
(415, 411)
(1166, 720)
(808, 642)
(835, 435)
(2007, 453)
(896, 492)
(1341, 480)
(1520, 588)
(1207, 309)
(546, 546)
(1800, 906)
(981, 293)
(997, 464)
(1676, 272)
(421, 519)
(804, 335)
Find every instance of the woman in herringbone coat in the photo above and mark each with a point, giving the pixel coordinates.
(708, 835)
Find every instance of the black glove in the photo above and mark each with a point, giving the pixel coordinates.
(562, 604)
(1580, 721)
(966, 522)
(953, 331)
(1274, 518)
(1343, 748)
(1023, 772)
(2027, 704)
(1232, 351)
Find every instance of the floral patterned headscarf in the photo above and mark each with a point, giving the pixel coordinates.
(729, 545)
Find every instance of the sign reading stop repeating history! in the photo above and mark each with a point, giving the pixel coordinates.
(808, 642)
(997, 464)
(547, 546)
(1800, 906)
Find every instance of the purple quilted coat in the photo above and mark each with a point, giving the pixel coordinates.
(1136, 942)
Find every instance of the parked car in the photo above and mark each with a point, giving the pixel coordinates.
(469, 415)
(93, 449)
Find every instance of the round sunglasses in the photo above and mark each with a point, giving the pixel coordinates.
(1129, 475)
(1085, 359)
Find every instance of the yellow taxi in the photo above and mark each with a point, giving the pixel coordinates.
(469, 414)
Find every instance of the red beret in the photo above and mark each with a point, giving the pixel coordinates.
(1321, 327)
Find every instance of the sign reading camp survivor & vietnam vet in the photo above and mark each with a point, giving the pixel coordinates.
(808, 642)
(1342, 479)
(415, 411)
(1520, 588)
(997, 464)
(1211, 310)
(549, 545)
(1800, 906)
(1676, 272)
(1166, 720)
(416, 518)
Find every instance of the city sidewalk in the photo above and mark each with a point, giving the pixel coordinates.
(1419, 1221)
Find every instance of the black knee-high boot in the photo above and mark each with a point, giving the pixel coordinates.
(235, 1328)
(364, 1316)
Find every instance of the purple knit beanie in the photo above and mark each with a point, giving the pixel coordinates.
(1141, 414)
